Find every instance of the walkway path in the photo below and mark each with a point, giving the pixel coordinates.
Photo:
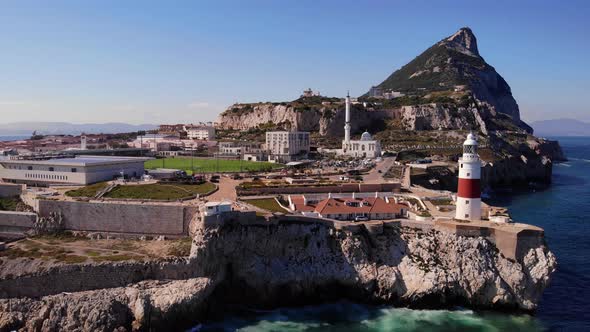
(374, 176)
(227, 190)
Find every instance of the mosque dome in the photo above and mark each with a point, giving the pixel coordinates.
(366, 136)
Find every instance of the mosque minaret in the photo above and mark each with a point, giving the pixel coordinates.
(366, 147)
(347, 120)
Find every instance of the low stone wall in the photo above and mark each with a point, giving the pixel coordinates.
(15, 224)
(10, 190)
(75, 278)
(133, 218)
(343, 188)
(424, 226)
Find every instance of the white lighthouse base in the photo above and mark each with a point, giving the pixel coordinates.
(468, 209)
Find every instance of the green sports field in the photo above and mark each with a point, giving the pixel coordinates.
(203, 165)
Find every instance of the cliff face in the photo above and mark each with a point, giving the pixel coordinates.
(298, 263)
(327, 120)
(286, 263)
(330, 120)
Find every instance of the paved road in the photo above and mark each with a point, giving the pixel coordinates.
(374, 176)
(227, 190)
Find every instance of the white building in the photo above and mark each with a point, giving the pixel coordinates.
(80, 170)
(251, 151)
(469, 190)
(366, 147)
(203, 133)
(215, 208)
(237, 148)
(310, 93)
(284, 146)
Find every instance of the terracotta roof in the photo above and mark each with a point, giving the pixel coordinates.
(299, 206)
(365, 205)
(339, 206)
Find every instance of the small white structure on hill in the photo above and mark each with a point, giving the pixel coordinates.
(366, 147)
(215, 208)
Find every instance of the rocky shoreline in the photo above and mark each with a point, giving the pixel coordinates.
(293, 264)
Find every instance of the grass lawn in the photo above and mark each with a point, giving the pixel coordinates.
(394, 172)
(9, 204)
(87, 191)
(269, 204)
(211, 165)
(445, 201)
(160, 191)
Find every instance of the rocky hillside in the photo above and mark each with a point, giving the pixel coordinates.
(454, 63)
(315, 114)
(449, 86)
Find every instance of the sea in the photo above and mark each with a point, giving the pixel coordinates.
(563, 210)
(4, 138)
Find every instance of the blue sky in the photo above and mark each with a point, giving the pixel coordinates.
(186, 61)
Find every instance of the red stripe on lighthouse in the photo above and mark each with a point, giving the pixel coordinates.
(469, 188)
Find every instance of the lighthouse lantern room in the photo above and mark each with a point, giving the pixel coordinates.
(469, 190)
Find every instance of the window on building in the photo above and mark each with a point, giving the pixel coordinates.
(51, 169)
(468, 174)
(467, 215)
(74, 170)
(467, 202)
(461, 165)
(30, 168)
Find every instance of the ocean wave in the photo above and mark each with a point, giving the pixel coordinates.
(579, 159)
(357, 317)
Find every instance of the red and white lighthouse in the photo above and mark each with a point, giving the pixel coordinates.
(469, 191)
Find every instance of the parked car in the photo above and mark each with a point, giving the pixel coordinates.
(214, 178)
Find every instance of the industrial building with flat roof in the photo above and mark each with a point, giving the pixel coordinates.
(79, 170)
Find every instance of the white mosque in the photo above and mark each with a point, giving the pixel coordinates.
(366, 147)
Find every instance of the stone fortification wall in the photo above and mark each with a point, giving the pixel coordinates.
(14, 224)
(31, 200)
(75, 278)
(148, 219)
(10, 190)
(512, 241)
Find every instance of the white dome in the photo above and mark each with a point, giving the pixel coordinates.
(366, 136)
(471, 140)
